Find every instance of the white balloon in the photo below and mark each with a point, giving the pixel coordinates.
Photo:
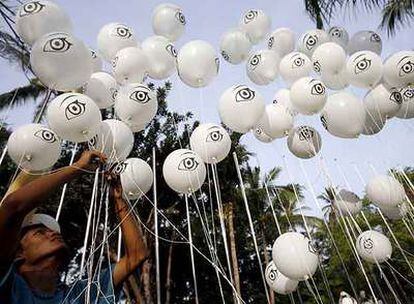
(136, 177)
(207, 67)
(304, 142)
(335, 81)
(345, 298)
(102, 88)
(235, 46)
(276, 121)
(343, 115)
(365, 41)
(385, 191)
(34, 147)
(74, 117)
(407, 108)
(130, 65)
(241, 101)
(339, 35)
(347, 203)
(294, 256)
(114, 37)
(97, 63)
(399, 69)
(282, 41)
(383, 103)
(282, 97)
(374, 122)
(329, 57)
(136, 105)
(277, 281)
(256, 24)
(364, 69)
(293, 66)
(397, 212)
(310, 40)
(184, 171)
(37, 18)
(263, 67)
(374, 247)
(211, 142)
(261, 135)
(161, 55)
(61, 61)
(308, 95)
(169, 21)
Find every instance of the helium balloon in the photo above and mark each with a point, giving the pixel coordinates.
(308, 95)
(364, 69)
(345, 298)
(365, 41)
(96, 62)
(343, 115)
(256, 24)
(374, 121)
(335, 81)
(130, 65)
(277, 281)
(295, 256)
(347, 203)
(383, 102)
(397, 212)
(35, 19)
(283, 97)
(161, 55)
(207, 67)
(61, 61)
(329, 57)
(276, 121)
(310, 40)
(211, 142)
(136, 177)
(261, 135)
(282, 41)
(102, 88)
(262, 67)
(114, 37)
(407, 108)
(235, 46)
(34, 147)
(293, 66)
(169, 21)
(339, 35)
(304, 142)
(385, 191)
(374, 247)
(74, 117)
(399, 69)
(241, 101)
(136, 105)
(184, 171)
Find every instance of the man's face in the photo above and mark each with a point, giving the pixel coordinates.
(40, 242)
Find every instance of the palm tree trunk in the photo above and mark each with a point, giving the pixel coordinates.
(233, 252)
(168, 280)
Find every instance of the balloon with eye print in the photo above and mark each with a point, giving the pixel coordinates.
(102, 88)
(260, 135)
(130, 65)
(168, 20)
(74, 117)
(161, 55)
(34, 147)
(256, 24)
(263, 67)
(282, 41)
(335, 81)
(241, 101)
(383, 102)
(365, 41)
(114, 37)
(399, 69)
(282, 97)
(211, 142)
(385, 191)
(347, 203)
(37, 18)
(329, 57)
(407, 108)
(304, 142)
(293, 66)
(184, 171)
(373, 246)
(396, 213)
(235, 46)
(339, 35)
(61, 61)
(277, 281)
(136, 105)
(97, 63)
(308, 95)
(364, 69)
(276, 121)
(310, 40)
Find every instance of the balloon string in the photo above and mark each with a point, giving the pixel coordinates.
(157, 241)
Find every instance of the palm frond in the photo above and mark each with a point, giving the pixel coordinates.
(318, 11)
(12, 50)
(397, 14)
(21, 95)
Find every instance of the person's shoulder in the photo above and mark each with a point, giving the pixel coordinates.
(13, 288)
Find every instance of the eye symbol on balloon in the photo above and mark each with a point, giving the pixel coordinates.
(336, 32)
(114, 62)
(375, 37)
(57, 45)
(123, 32)
(140, 96)
(305, 133)
(171, 49)
(225, 55)
(324, 122)
(254, 62)
(396, 97)
(120, 168)
(362, 65)
(93, 54)
(318, 89)
(46, 135)
(250, 16)
(180, 17)
(31, 8)
(245, 94)
(270, 42)
(114, 93)
(188, 164)
(317, 67)
(310, 41)
(75, 109)
(214, 136)
(298, 62)
(273, 275)
(409, 93)
(406, 68)
(367, 244)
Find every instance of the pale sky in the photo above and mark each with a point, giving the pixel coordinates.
(207, 20)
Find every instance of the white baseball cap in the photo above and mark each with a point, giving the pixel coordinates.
(41, 219)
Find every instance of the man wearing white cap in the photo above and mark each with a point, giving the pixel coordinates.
(33, 253)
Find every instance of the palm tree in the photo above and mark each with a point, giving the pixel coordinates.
(328, 196)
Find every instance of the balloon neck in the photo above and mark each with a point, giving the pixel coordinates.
(84, 132)
(130, 193)
(28, 157)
